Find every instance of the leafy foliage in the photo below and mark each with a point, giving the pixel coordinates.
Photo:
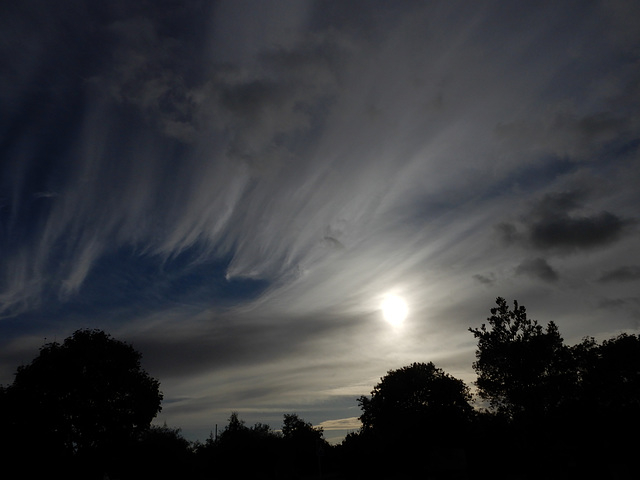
(419, 402)
(159, 453)
(296, 429)
(522, 367)
(562, 405)
(87, 397)
(290, 454)
(609, 378)
(419, 394)
(411, 411)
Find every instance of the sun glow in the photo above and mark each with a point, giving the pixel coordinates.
(394, 310)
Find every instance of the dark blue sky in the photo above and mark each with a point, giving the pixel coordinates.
(234, 187)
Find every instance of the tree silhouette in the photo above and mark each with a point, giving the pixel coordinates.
(417, 396)
(296, 429)
(160, 453)
(608, 397)
(244, 451)
(83, 408)
(411, 412)
(83, 399)
(523, 368)
(304, 445)
(575, 409)
(235, 428)
(615, 378)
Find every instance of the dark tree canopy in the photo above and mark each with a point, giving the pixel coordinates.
(160, 453)
(411, 412)
(235, 427)
(293, 453)
(303, 443)
(296, 429)
(84, 396)
(571, 407)
(521, 366)
(609, 377)
(419, 395)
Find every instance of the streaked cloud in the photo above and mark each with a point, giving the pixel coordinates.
(351, 423)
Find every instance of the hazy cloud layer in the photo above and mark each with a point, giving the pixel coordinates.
(234, 186)
(537, 268)
(629, 273)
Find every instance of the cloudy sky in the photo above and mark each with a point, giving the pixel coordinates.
(233, 187)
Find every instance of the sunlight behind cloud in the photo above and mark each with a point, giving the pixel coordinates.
(394, 309)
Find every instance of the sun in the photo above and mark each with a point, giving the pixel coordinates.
(394, 310)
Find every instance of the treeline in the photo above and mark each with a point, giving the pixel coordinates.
(297, 451)
(542, 409)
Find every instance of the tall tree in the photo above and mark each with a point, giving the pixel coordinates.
(523, 368)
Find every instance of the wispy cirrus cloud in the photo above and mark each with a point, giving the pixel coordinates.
(351, 423)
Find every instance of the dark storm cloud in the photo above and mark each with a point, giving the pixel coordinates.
(567, 232)
(628, 273)
(557, 223)
(537, 268)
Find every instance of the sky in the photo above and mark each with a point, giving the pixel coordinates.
(234, 187)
